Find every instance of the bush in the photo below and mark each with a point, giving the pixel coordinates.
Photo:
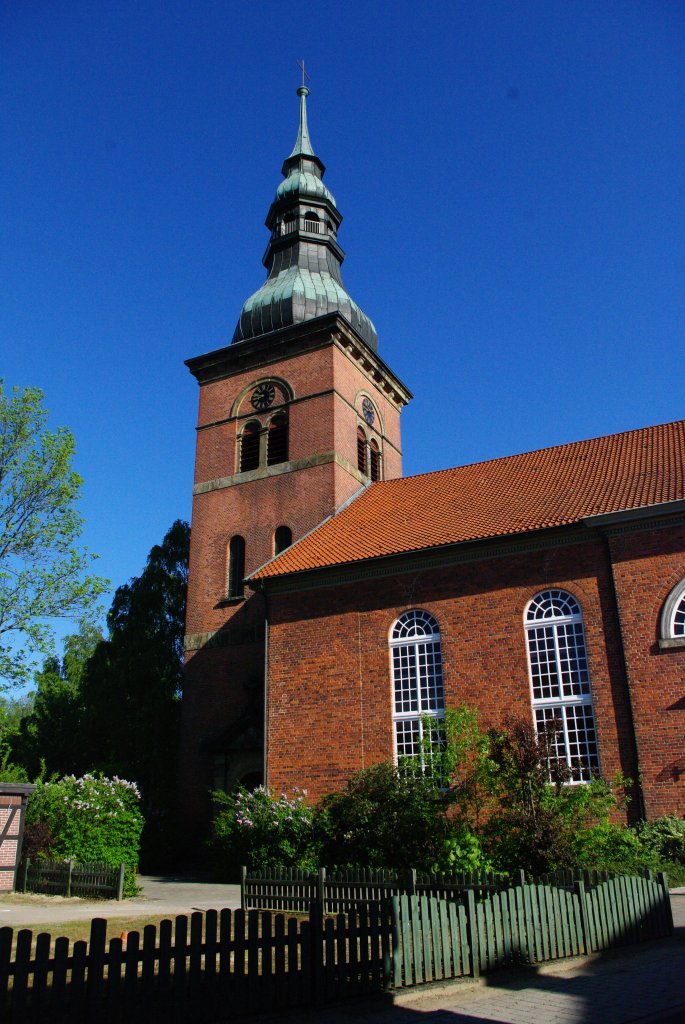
(665, 836)
(261, 830)
(92, 818)
(387, 816)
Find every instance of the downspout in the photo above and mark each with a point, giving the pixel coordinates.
(626, 674)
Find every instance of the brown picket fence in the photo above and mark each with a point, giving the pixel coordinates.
(94, 880)
(226, 964)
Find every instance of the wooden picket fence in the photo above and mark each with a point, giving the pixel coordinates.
(67, 878)
(225, 964)
(292, 889)
(525, 924)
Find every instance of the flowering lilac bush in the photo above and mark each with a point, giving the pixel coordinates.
(262, 829)
(93, 818)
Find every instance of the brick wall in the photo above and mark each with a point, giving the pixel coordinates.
(329, 688)
(648, 564)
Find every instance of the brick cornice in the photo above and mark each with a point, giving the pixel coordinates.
(426, 558)
(287, 342)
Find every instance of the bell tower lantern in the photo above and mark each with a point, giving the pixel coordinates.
(296, 415)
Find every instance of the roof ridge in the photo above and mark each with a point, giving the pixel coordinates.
(534, 451)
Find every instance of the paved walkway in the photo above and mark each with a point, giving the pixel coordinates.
(161, 896)
(640, 985)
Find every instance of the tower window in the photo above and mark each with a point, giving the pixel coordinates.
(277, 440)
(312, 222)
(560, 680)
(283, 538)
(374, 462)
(249, 447)
(361, 451)
(236, 567)
(289, 224)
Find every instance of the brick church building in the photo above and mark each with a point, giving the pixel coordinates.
(335, 606)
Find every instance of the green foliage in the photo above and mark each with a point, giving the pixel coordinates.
(43, 572)
(387, 816)
(466, 767)
(113, 705)
(92, 818)
(262, 830)
(665, 837)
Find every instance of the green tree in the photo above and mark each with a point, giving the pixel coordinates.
(43, 569)
(131, 686)
(50, 732)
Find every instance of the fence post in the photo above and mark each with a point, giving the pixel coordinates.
(26, 875)
(71, 868)
(120, 884)
(316, 933)
(579, 889)
(411, 882)
(243, 877)
(521, 879)
(666, 901)
(321, 896)
(472, 929)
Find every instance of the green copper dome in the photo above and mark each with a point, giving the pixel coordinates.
(303, 257)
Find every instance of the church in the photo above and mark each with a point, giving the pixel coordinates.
(336, 608)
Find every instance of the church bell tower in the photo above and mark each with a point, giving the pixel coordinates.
(296, 415)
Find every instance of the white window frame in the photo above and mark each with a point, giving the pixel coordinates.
(415, 637)
(674, 609)
(569, 662)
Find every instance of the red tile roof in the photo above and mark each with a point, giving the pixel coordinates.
(536, 490)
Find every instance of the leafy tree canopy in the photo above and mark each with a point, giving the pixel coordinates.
(43, 570)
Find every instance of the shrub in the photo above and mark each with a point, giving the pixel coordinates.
(261, 830)
(387, 816)
(665, 836)
(92, 818)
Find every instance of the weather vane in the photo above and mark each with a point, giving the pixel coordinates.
(300, 64)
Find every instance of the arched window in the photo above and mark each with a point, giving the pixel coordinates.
(311, 222)
(560, 679)
(249, 447)
(289, 223)
(236, 567)
(277, 440)
(418, 697)
(361, 451)
(283, 538)
(374, 462)
(673, 615)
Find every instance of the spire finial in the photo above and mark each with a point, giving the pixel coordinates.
(303, 145)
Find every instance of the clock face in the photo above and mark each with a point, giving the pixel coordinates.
(367, 409)
(263, 396)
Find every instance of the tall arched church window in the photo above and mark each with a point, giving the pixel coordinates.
(283, 538)
(418, 696)
(236, 567)
(277, 440)
(374, 461)
(560, 680)
(361, 451)
(249, 447)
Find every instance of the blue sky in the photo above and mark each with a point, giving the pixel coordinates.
(511, 177)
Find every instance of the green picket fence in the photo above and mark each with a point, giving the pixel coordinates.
(221, 965)
(94, 880)
(532, 923)
(295, 890)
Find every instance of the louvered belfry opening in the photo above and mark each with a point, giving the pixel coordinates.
(361, 451)
(277, 440)
(374, 462)
(249, 448)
